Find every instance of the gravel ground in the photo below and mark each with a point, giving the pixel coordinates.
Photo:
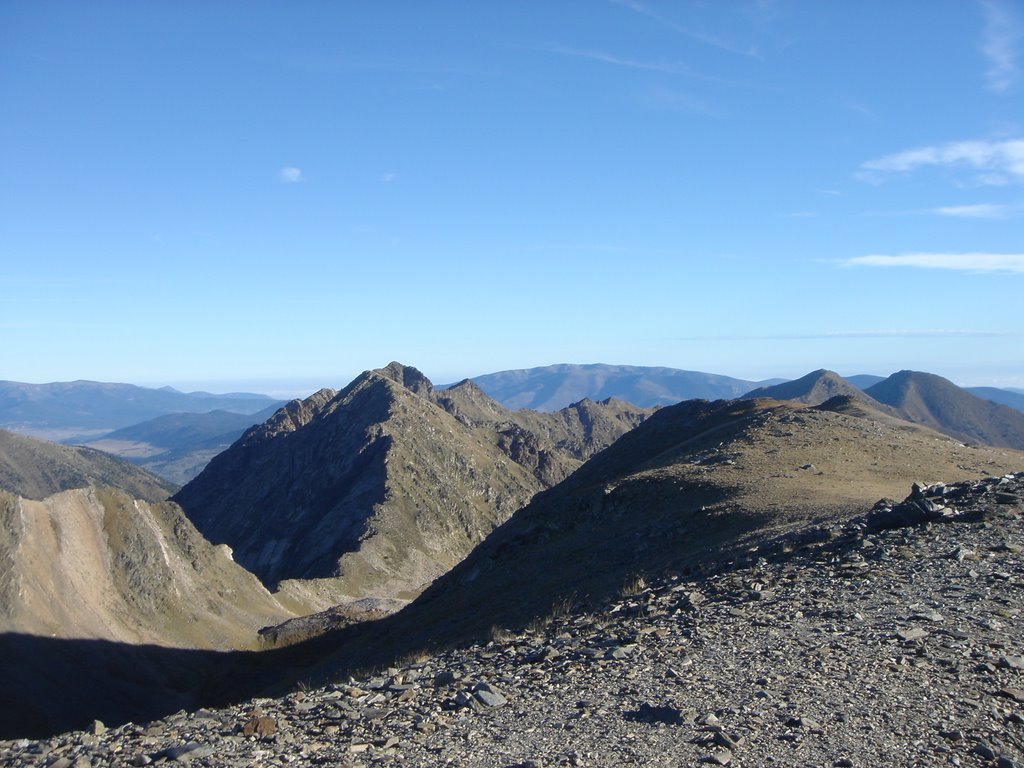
(860, 645)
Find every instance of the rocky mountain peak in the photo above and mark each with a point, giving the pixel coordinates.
(388, 483)
(409, 377)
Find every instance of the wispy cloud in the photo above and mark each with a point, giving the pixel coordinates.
(978, 211)
(674, 67)
(938, 333)
(998, 161)
(387, 178)
(859, 108)
(675, 101)
(666, 67)
(694, 34)
(1003, 32)
(967, 262)
(291, 175)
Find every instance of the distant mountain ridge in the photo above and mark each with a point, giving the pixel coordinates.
(386, 484)
(62, 410)
(1010, 397)
(176, 446)
(552, 387)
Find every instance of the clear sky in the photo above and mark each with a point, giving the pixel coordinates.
(274, 196)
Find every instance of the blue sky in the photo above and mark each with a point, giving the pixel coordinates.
(276, 196)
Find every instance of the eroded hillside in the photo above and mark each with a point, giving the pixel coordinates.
(96, 563)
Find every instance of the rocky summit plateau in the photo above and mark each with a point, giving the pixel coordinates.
(807, 576)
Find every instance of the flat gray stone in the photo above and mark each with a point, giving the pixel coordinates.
(489, 696)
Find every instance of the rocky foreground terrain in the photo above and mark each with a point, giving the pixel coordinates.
(892, 638)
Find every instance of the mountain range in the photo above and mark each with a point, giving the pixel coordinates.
(469, 517)
(552, 387)
(183, 433)
(75, 410)
(556, 386)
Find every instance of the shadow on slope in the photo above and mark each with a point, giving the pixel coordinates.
(53, 685)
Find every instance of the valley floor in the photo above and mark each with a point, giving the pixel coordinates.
(843, 647)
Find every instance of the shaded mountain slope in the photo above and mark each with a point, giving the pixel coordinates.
(552, 387)
(696, 484)
(62, 409)
(37, 468)
(938, 403)
(96, 563)
(813, 389)
(384, 485)
(176, 446)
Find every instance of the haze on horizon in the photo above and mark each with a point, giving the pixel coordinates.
(271, 197)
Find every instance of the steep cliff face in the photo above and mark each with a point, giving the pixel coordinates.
(387, 484)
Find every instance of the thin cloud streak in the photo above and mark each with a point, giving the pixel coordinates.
(966, 262)
(999, 45)
(999, 160)
(701, 37)
(668, 68)
(290, 175)
(978, 211)
(882, 334)
(676, 68)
